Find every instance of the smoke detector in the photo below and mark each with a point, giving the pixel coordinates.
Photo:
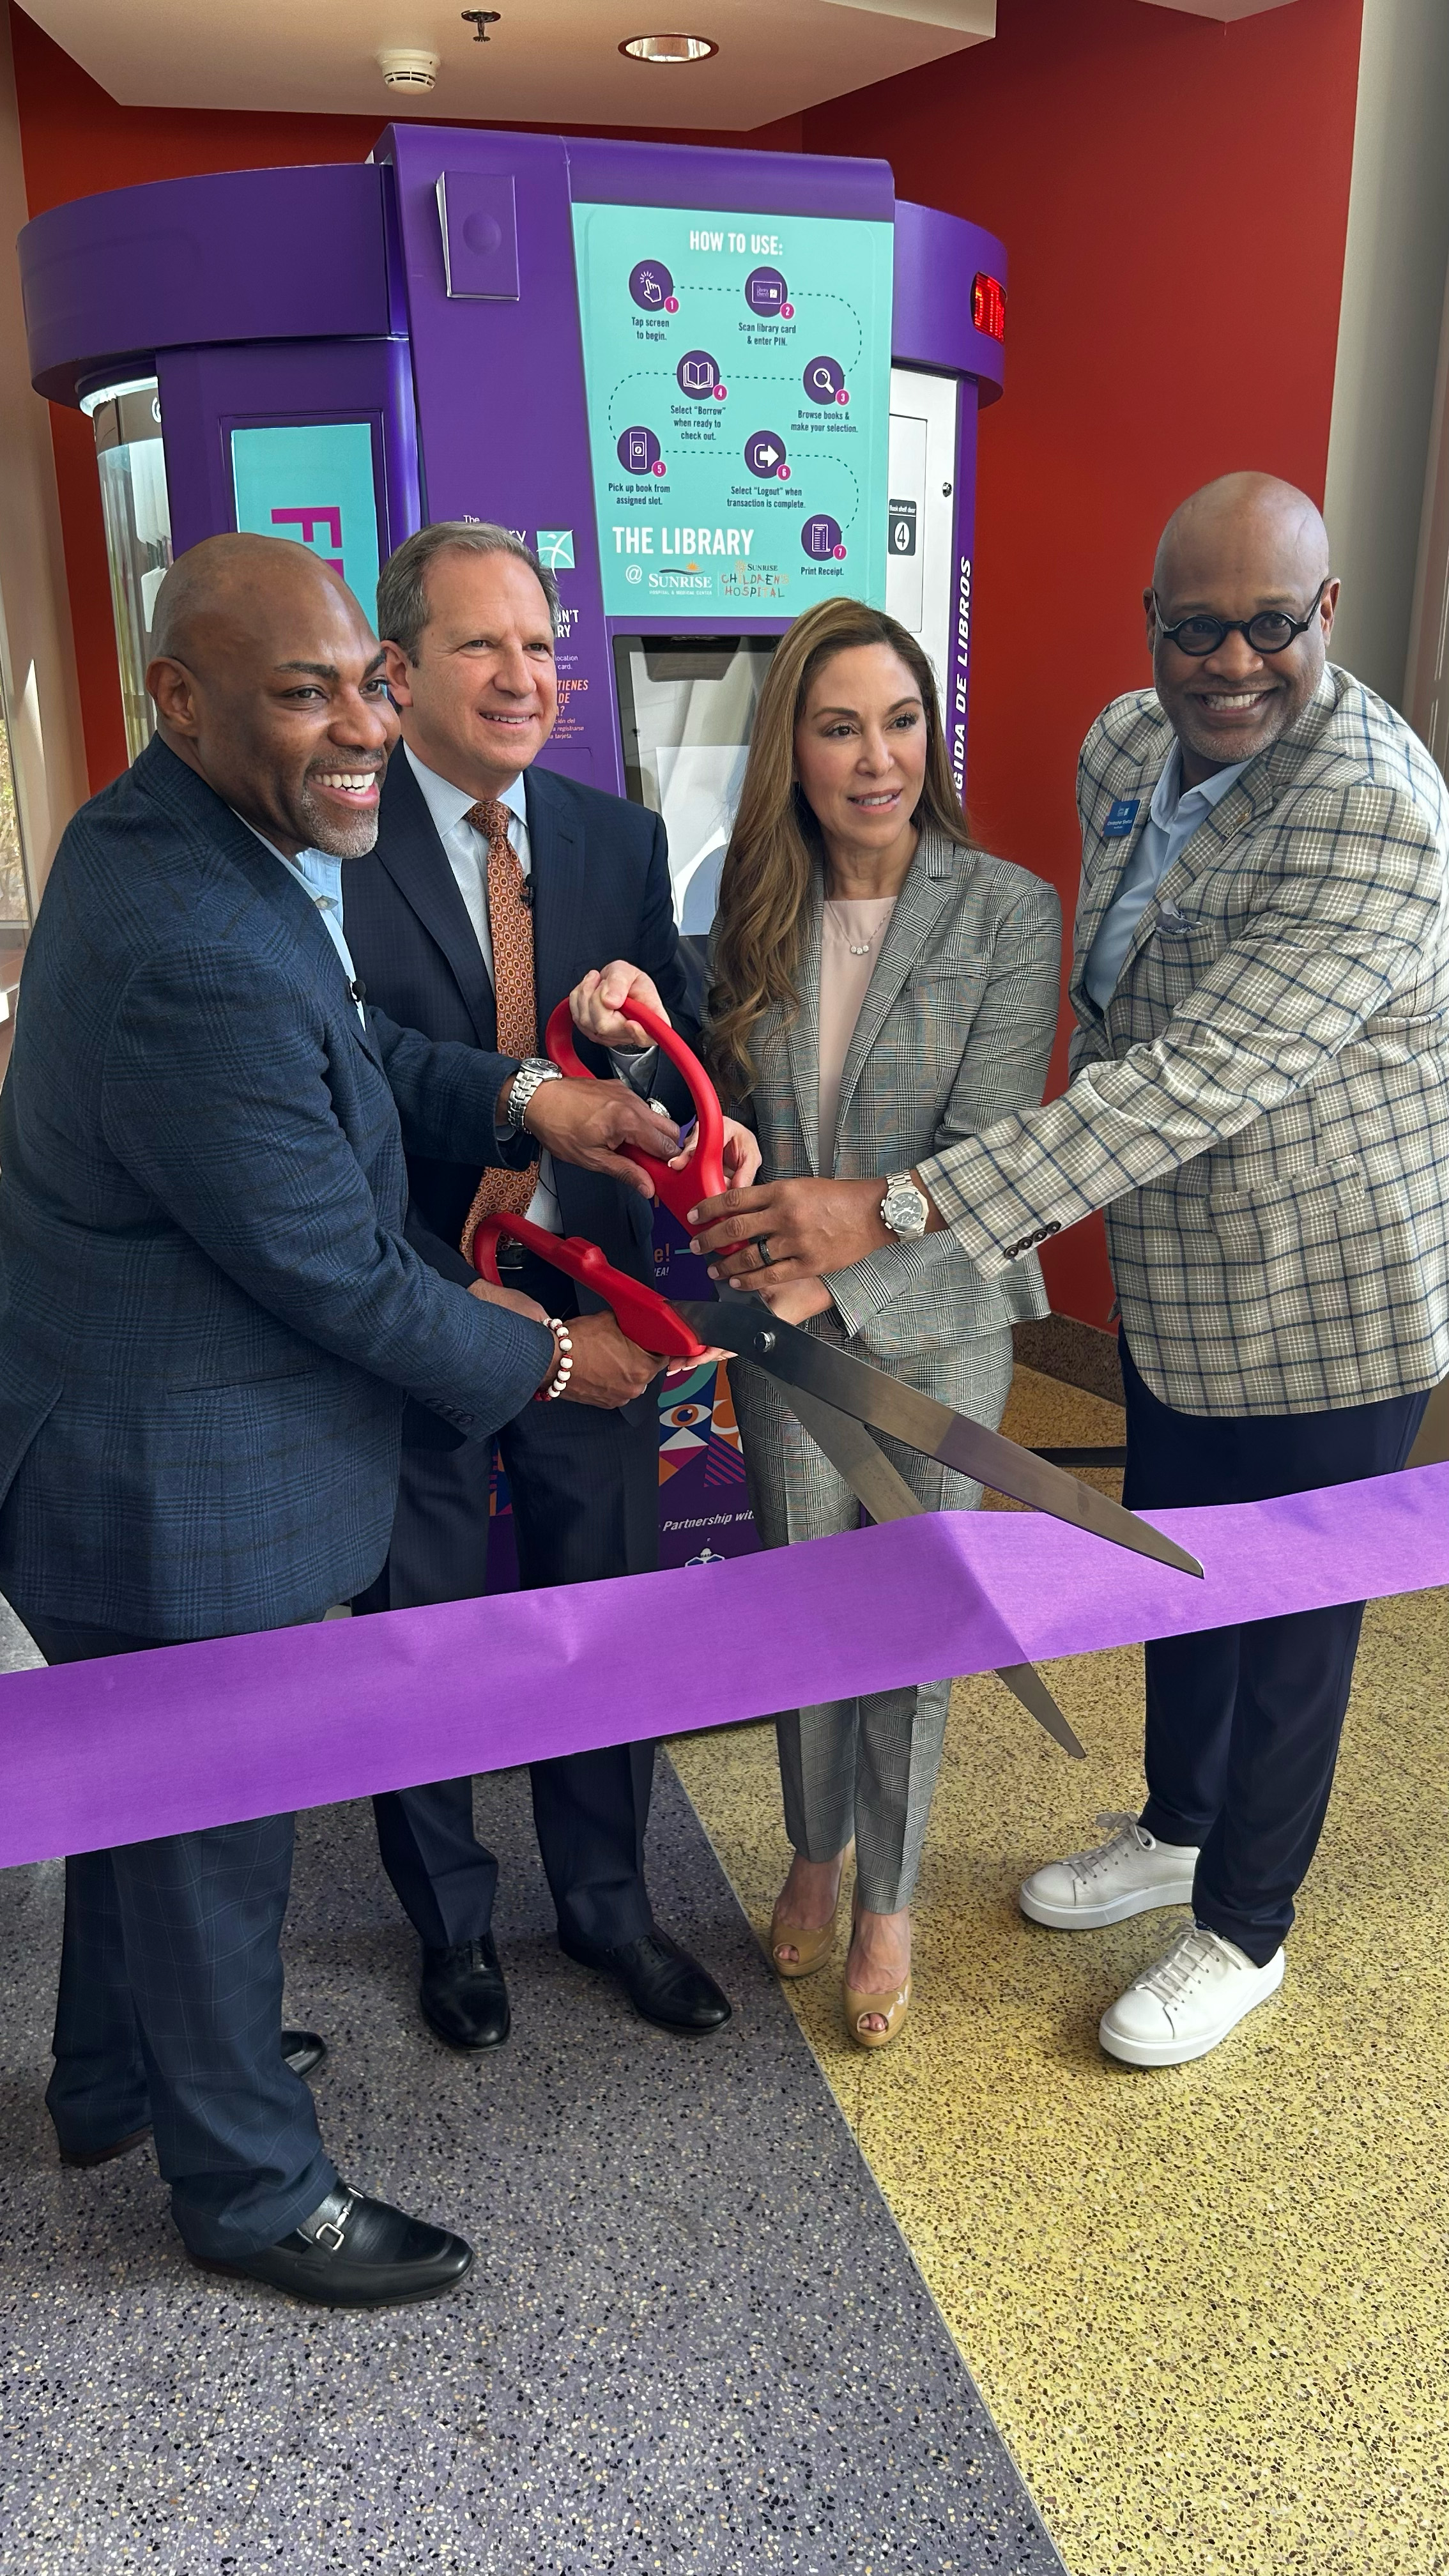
(408, 67)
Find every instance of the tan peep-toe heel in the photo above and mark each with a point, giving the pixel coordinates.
(811, 1947)
(892, 2009)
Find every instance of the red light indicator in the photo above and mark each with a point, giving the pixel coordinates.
(988, 305)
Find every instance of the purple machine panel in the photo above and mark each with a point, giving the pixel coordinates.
(437, 302)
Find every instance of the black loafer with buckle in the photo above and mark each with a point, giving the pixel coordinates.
(352, 2252)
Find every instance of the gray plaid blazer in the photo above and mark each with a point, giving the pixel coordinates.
(955, 1029)
(1264, 1106)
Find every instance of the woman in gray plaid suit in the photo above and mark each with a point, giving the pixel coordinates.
(880, 988)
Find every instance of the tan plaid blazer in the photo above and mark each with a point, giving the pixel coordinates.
(1264, 1107)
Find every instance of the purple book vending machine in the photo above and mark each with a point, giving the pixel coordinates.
(709, 387)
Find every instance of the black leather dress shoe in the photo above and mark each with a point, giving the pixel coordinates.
(355, 2253)
(463, 1996)
(302, 2050)
(80, 2159)
(661, 1981)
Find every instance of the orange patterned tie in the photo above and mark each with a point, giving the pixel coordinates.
(511, 924)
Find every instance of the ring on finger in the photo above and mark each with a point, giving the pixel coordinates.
(766, 1256)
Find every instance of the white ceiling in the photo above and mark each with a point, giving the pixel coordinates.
(548, 61)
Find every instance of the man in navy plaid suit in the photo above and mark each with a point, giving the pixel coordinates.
(210, 1321)
(1260, 1100)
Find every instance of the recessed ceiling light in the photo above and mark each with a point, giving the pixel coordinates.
(669, 49)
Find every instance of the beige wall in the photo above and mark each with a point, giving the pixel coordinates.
(37, 657)
(1393, 296)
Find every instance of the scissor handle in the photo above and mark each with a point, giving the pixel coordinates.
(704, 1175)
(642, 1313)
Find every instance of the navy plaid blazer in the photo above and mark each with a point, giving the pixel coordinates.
(209, 1314)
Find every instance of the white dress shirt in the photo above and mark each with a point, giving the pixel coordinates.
(1172, 819)
(466, 850)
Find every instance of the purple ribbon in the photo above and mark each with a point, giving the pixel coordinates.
(189, 1736)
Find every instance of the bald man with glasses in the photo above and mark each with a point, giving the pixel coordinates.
(1260, 1101)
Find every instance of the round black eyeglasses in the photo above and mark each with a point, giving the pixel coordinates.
(1271, 631)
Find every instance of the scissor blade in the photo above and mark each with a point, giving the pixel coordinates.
(887, 1497)
(794, 1359)
(1027, 1685)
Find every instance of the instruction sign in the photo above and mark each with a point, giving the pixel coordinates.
(738, 376)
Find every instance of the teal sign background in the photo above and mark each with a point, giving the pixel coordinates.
(313, 485)
(738, 374)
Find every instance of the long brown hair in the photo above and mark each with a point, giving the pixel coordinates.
(776, 840)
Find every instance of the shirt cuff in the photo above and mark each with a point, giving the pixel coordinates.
(635, 1065)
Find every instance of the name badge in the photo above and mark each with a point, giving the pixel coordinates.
(1120, 819)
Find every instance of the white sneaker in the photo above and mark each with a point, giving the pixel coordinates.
(1190, 2000)
(1132, 1874)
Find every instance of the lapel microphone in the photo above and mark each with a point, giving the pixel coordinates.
(525, 893)
(358, 989)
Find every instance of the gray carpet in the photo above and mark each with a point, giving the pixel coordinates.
(693, 2340)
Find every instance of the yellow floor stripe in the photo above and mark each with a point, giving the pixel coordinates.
(1208, 2305)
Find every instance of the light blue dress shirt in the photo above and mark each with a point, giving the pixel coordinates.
(1171, 822)
(321, 880)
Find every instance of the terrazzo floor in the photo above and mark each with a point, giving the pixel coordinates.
(1207, 2305)
(693, 2341)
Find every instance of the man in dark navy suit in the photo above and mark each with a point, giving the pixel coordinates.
(210, 1321)
(495, 888)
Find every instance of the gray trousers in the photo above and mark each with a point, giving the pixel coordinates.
(864, 1766)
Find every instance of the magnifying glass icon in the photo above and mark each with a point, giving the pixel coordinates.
(822, 380)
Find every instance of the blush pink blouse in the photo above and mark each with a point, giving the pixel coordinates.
(844, 979)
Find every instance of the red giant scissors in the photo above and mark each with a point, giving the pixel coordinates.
(840, 1400)
(641, 1312)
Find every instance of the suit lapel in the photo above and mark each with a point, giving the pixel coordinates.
(409, 848)
(1247, 800)
(802, 1041)
(928, 889)
(178, 787)
(1105, 862)
(560, 891)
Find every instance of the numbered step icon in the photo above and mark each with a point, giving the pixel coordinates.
(821, 539)
(638, 451)
(767, 293)
(698, 374)
(652, 287)
(765, 455)
(824, 381)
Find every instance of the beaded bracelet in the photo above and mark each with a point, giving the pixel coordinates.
(565, 1369)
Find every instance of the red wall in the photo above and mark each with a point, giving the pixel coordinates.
(1173, 195)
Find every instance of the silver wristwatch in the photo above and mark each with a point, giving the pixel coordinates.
(532, 1071)
(905, 1207)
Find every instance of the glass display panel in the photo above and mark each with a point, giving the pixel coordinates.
(137, 512)
(686, 709)
(313, 483)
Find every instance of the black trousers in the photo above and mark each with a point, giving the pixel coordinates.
(585, 1491)
(170, 2012)
(1243, 1723)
